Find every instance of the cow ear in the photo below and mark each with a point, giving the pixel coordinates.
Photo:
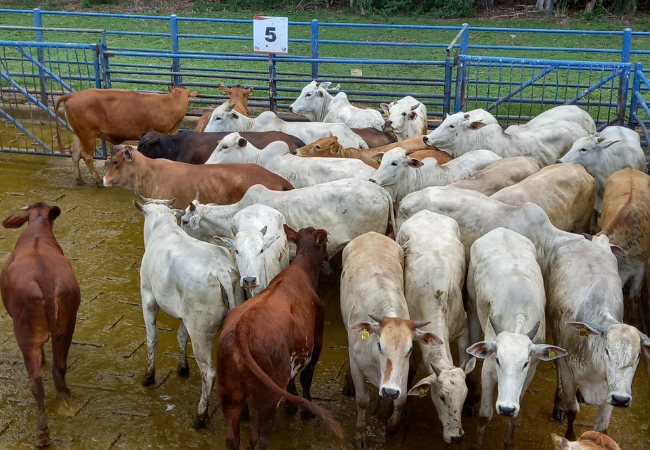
(290, 232)
(586, 330)
(242, 142)
(560, 442)
(377, 156)
(128, 154)
(269, 240)
(194, 93)
(416, 163)
(427, 338)
(223, 88)
(250, 90)
(482, 349)
(16, 221)
(336, 149)
(368, 327)
(423, 386)
(55, 212)
(325, 84)
(645, 346)
(469, 366)
(588, 236)
(138, 206)
(547, 352)
(608, 143)
(170, 88)
(617, 251)
(227, 242)
(385, 107)
(413, 115)
(476, 125)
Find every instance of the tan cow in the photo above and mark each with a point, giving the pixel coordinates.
(238, 95)
(117, 116)
(499, 175)
(626, 220)
(590, 440)
(161, 179)
(566, 194)
(329, 147)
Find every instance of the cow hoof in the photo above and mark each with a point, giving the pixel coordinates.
(43, 440)
(199, 421)
(579, 397)
(148, 380)
(570, 436)
(348, 391)
(245, 413)
(558, 414)
(290, 408)
(80, 181)
(183, 371)
(307, 414)
(360, 443)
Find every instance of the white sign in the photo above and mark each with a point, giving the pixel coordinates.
(270, 34)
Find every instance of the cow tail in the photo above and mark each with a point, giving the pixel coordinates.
(302, 403)
(49, 296)
(392, 210)
(61, 99)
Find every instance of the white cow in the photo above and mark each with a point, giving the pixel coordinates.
(565, 192)
(434, 274)
(276, 157)
(400, 174)
(260, 246)
(570, 113)
(345, 208)
(507, 301)
(225, 118)
(189, 280)
(407, 118)
(372, 285)
(546, 143)
(582, 287)
(318, 105)
(501, 174)
(614, 149)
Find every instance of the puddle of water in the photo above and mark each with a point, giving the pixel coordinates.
(101, 232)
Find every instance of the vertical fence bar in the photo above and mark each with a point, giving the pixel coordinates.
(103, 57)
(272, 87)
(624, 77)
(314, 48)
(38, 22)
(460, 74)
(96, 67)
(446, 102)
(636, 86)
(176, 62)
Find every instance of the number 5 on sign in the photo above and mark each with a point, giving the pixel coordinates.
(270, 34)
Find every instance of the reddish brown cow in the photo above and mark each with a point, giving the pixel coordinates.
(374, 138)
(270, 339)
(117, 116)
(41, 294)
(161, 179)
(590, 440)
(329, 147)
(238, 95)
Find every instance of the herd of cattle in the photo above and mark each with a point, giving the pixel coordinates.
(464, 232)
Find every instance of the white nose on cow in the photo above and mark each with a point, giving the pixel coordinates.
(249, 282)
(621, 400)
(389, 392)
(506, 410)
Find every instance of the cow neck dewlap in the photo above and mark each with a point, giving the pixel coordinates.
(440, 355)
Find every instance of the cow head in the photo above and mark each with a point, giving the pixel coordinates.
(231, 149)
(248, 248)
(623, 345)
(311, 242)
(513, 354)
(448, 392)
(122, 172)
(450, 130)
(224, 118)
(590, 152)
(149, 144)
(182, 90)
(311, 101)
(590, 440)
(399, 117)
(324, 147)
(238, 95)
(32, 212)
(602, 241)
(394, 166)
(395, 338)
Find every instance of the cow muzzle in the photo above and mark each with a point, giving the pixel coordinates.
(372, 180)
(294, 152)
(507, 410)
(619, 400)
(457, 439)
(105, 183)
(249, 283)
(390, 392)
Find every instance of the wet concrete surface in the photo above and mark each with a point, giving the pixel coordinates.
(101, 232)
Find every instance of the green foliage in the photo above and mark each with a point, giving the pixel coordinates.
(616, 7)
(95, 3)
(444, 9)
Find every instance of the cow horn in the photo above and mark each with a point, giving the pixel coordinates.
(143, 198)
(25, 208)
(436, 369)
(377, 319)
(317, 83)
(192, 207)
(533, 332)
(408, 152)
(421, 323)
(170, 202)
(196, 197)
(497, 329)
(414, 107)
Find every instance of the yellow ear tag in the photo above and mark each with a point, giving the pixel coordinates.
(551, 353)
(365, 334)
(174, 213)
(318, 240)
(584, 332)
(422, 392)
(378, 160)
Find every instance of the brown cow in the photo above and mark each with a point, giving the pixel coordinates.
(238, 95)
(500, 174)
(374, 138)
(329, 147)
(117, 116)
(270, 339)
(590, 440)
(161, 179)
(41, 294)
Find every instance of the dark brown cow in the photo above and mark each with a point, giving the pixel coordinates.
(270, 339)
(374, 138)
(41, 294)
(238, 95)
(161, 179)
(195, 148)
(117, 116)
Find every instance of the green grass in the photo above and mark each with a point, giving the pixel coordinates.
(547, 85)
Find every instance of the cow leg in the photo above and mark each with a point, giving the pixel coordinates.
(348, 387)
(569, 399)
(231, 405)
(264, 418)
(202, 344)
(362, 397)
(472, 388)
(88, 153)
(632, 309)
(60, 348)
(488, 382)
(558, 408)
(32, 353)
(393, 422)
(183, 368)
(408, 405)
(289, 407)
(604, 414)
(76, 157)
(513, 423)
(43, 360)
(150, 311)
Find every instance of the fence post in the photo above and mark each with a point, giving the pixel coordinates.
(314, 48)
(176, 63)
(460, 74)
(446, 104)
(103, 55)
(38, 22)
(272, 75)
(624, 77)
(636, 85)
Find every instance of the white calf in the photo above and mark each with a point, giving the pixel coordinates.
(407, 118)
